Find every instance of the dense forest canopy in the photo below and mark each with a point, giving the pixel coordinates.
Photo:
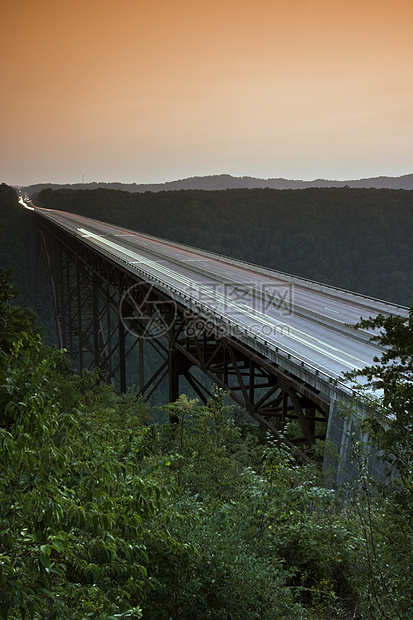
(17, 243)
(356, 239)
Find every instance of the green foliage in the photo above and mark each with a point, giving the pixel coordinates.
(105, 516)
(391, 425)
(74, 505)
(14, 320)
(271, 542)
(383, 507)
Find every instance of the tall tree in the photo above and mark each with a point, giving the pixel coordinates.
(384, 507)
(391, 425)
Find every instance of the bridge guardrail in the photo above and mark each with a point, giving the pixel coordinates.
(293, 307)
(306, 283)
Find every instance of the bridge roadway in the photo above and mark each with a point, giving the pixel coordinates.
(302, 324)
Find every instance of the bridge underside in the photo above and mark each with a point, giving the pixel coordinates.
(107, 317)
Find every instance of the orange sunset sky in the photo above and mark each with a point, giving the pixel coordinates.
(156, 90)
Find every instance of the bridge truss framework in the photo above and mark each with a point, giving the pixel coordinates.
(112, 318)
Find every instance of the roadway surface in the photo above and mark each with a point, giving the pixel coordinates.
(303, 319)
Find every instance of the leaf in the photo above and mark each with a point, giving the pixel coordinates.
(57, 545)
(45, 556)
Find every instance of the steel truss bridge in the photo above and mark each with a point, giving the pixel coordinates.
(277, 344)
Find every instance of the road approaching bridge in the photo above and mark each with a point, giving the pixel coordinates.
(297, 331)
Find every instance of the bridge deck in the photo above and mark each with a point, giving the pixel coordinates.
(307, 321)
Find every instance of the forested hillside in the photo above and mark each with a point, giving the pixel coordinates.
(226, 181)
(357, 239)
(17, 243)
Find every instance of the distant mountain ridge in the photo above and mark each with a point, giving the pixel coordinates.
(226, 181)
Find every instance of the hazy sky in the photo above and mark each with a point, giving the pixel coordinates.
(157, 90)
